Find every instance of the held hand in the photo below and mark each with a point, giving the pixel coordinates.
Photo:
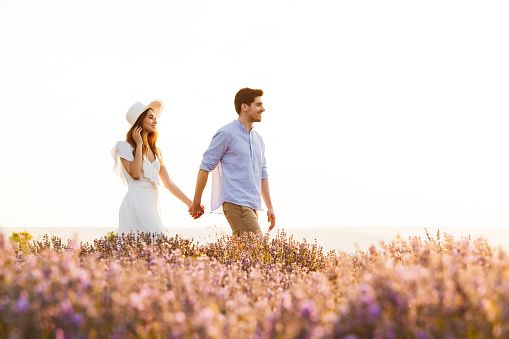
(137, 136)
(271, 217)
(196, 210)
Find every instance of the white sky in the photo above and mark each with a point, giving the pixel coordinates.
(378, 113)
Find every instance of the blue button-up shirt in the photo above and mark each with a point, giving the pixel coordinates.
(236, 158)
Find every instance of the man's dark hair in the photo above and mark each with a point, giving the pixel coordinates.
(246, 96)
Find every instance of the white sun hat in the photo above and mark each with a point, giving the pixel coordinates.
(137, 108)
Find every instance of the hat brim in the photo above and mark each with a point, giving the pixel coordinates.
(133, 114)
(156, 106)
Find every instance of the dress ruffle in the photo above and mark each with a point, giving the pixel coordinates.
(119, 150)
(150, 172)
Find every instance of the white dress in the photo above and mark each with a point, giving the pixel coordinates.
(139, 211)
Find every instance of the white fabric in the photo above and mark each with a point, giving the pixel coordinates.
(139, 210)
(217, 189)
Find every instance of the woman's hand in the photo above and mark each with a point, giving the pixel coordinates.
(196, 209)
(137, 136)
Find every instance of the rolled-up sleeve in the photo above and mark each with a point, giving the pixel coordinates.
(213, 154)
(265, 174)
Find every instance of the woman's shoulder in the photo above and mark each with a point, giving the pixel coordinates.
(124, 150)
(124, 145)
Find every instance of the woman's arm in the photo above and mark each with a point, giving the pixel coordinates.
(134, 167)
(165, 177)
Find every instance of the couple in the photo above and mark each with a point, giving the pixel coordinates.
(236, 158)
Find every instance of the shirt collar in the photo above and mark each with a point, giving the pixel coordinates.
(243, 128)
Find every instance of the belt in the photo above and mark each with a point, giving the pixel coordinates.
(141, 184)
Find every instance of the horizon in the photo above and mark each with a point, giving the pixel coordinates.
(346, 239)
(274, 230)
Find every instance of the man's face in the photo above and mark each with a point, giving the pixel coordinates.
(255, 110)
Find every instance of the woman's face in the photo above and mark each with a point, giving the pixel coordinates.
(149, 124)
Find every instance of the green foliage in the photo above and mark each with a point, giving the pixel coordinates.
(111, 236)
(22, 240)
(20, 237)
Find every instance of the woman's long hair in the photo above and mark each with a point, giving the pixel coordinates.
(149, 139)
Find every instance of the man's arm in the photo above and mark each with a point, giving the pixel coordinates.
(211, 157)
(196, 209)
(271, 217)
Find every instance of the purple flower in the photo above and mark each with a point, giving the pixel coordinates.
(84, 278)
(364, 288)
(22, 304)
(308, 310)
(77, 319)
(390, 334)
(65, 306)
(374, 310)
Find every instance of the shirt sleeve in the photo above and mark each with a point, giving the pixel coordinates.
(217, 148)
(265, 174)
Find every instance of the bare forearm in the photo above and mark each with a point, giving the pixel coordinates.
(136, 165)
(271, 216)
(177, 192)
(266, 194)
(165, 177)
(201, 182)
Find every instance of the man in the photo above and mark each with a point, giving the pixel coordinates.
(236, 157)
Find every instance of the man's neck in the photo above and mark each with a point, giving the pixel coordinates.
(246, 123)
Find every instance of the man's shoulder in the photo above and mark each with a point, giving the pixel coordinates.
(228, 128)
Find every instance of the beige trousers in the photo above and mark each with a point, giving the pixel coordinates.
(241, 218)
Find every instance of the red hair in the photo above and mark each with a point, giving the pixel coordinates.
(149, 139)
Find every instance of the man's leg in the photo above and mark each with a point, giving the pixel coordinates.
(241, 219)
(233, 214)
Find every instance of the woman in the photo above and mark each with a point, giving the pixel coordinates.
(139, 163)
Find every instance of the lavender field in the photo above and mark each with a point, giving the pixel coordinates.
(252, 287)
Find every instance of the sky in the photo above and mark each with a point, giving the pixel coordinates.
(378, 113)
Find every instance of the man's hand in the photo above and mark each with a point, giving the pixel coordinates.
(271, 217)
(196, 210)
